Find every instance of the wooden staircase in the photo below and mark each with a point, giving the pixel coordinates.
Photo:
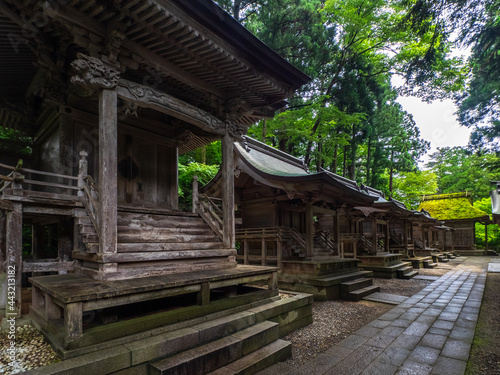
(156, 243)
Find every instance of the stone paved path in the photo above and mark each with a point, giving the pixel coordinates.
(429, 333)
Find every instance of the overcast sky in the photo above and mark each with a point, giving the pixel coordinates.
(437, 123)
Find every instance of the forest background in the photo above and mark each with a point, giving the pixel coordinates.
(347, 119)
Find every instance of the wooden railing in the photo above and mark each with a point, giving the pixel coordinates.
(210, 211)
(327, 240)
(16, 179)
(91, 201)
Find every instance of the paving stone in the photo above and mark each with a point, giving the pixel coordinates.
(417, 329)
(367, 331)
(403, 323)
(353, 341)
(433, 340)
(379, 368)
(424, 354)
(426, 319)
(452, 309)
(380, 341)
(394, 356)
(439, 331)
(443, 324)
(418, 310)
(325, 361)
(410, 316)
(405, 341)
(414, 368)
(448, 316)
(469, 316)
(448, 366)
(465, 323)
(471, 303)
(379, 323)
(457, 349)
(392, 331)
(433, 311)
(461, 333)
(471, 310)
(355, 362)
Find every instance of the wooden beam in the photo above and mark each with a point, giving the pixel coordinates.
(108, 167)
(147, 97)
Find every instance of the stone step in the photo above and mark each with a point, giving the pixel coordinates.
(165, 238)
(174, 246)
(403, 271)
(408, 275)
(215, 354)
(429, 264)
(134, 230)
(254, 362)
(442, 259)
(349, 286)
(357, 295)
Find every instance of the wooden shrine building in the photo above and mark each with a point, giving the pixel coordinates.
(316, 227)
(111, 92)
(456, 212)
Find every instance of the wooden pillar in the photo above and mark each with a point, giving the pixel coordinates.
(412, 239)
(336, 230)
(228, 191)
(309, 229)
(387, 237)
(108, 183)
(405, 236)
(263, 252)
(374, 235)
(245, 251)
(14, 229)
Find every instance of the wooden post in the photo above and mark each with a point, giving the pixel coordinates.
(336, 230)
(412, 238)
(14, 229)
(228, 191)
(374, 235)
(83, 167)
(108, 184)
(387, 237)
(309, 229)
(279, 253)
(195, 194)
(263, 252)
(245, 251)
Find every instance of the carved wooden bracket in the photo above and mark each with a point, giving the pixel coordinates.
(148, 97)
(93, 73)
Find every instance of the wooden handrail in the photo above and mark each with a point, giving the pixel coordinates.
(91, 201)
(210, 213)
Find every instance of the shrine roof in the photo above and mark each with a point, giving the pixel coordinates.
(456, 206)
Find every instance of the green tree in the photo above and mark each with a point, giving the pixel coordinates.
(410, 186)
(186, 172)
(460, 169)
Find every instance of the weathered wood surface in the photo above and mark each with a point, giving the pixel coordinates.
(227, 169)
(14, 227)
(108, 133)
(47, 266)
(154, 256)
(43, 198)
(74, 288)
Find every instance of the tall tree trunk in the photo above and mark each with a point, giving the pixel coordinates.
(345, 162)
(319, 160)
(352, 167)
(333, 166)
(282, 144)
(368, 160)
(236, 10)
(203, 155)
(391, 173)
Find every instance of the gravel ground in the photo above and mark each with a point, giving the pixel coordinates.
(32, 351)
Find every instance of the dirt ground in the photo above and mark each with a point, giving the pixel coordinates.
(485, 353)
